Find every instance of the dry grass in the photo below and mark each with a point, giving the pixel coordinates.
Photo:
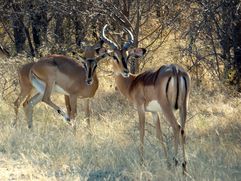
(50, 151)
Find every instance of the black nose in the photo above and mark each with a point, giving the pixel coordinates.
(126, 71)
(89, 81)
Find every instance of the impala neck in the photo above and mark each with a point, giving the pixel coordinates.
(123, 84)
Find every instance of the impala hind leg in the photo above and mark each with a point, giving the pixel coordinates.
(159, 135)
(183, 105)
(25, 94)
(169, 115)
(28, 107)
(183, 114)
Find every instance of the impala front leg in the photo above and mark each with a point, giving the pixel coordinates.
(73, 112)
(87, 111)
(67, 104)
(141, 114)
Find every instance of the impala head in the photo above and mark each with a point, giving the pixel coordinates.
(92, 55)
(122, 55)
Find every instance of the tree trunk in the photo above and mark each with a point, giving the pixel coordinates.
(59, 30)
(225, 39)
(126, 8)
(36, 30)
(135, 64)
(237, 51)
(158, 8)
(79, 31)
(18, 32)
(39, 24)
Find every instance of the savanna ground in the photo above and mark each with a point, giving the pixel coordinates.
(50, 151)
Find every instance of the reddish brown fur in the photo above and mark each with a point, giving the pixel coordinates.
(151, 86)
(67, 73)
(147, 78)
(153, 91)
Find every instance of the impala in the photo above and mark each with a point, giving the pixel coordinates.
(163, 90)
(59, 73)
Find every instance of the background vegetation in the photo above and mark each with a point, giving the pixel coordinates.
(203, 36)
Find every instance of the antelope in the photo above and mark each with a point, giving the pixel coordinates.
(61, 74)
(163, 90)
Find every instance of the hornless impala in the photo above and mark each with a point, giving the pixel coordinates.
(163, 90)
(59, 73)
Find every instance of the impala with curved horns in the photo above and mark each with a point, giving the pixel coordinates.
(59, 73)
(163, 90)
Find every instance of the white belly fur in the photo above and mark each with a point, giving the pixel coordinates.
(38, 84)
(60, 90)
(40, 87)
(153, 106)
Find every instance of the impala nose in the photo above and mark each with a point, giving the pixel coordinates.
(125, 73)
(89, 81)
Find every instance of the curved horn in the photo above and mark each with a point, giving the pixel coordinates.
(130, 40)
(106, 40)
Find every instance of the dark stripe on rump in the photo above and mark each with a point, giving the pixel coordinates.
(176, 105)
(168, 81)
(175, 71)
(185, 82)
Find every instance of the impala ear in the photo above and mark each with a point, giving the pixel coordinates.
(137, 52)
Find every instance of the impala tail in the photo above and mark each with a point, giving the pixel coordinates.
(177, 89)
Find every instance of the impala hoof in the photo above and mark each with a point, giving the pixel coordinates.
(184, 167)
(14, 124)
(67, 120)
(175, 161)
